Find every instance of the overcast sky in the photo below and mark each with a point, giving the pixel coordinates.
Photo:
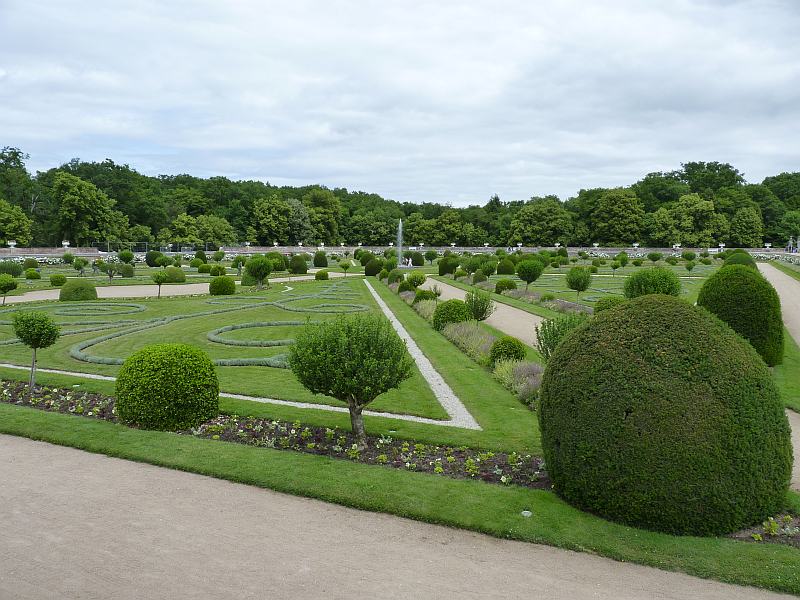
(419, 101)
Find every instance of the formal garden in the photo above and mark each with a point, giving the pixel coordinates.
(646, 423)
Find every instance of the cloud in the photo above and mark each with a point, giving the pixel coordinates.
(419, 101)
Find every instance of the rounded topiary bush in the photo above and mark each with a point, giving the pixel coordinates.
(607, 302)
(384, 274)
(504, 285)
(217, 270)
(394, 276)
(658, 415)
(373, 267)
(32, 274)
(741, 258)
(321, 275)
(507, 348)
(405, 286)
(479, 277)
(657, 280)
(203, 267)
(506, 267)
(195, 263)
(168, 387)
(222, 285)
(126, 270)
(748, 303)
(298, 265)
(320, 259)
(57, 280)
(151, 258)
(77, 289)
(30, 263)
(175, 275)
(450, 311)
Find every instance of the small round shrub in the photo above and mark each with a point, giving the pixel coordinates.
(9, 267)
(125, 269)
(637, 262)
(424, 295)
(279, 261)
(748, 303)
(506, 267)
(556, 264)
(321, 275)
(657, 280)
(57, 280)
(201, 255)
(298, 265)
(447, 265)
(320, 259)
(416, 278)
(688, 255)
(77, 289)
(671, 260)
(195, 263)
(384, 274)
(658, 415)
(204, 268)
(218, 256)
(364, 257)
(479, 277)
(125, 256)
(175, 275)
(217, 270)
(151, 258)
(394, 276)
(405, 286)
(596, 262)
(654, 256)
(168, 387)
(222, 286)
(507, 348)
(417, 259)
(67, 258)
(706, 260)
(689, 265)
(504, 285)
(374, 266)
(390, 264)
(450, 311)
(607, 302)
(741, 258)
(592, 269)
(7, 284)
(32, 274)
(30, 263)
(460, 273)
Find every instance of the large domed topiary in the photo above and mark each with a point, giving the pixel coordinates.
(658, 415)
(77, 289)
(748, 303)
(168, 387)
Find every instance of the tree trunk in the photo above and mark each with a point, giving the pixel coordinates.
(33, 373)
(357, 423)
(4, 299)
(159, 291)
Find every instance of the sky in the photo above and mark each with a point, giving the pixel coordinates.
(441, 101)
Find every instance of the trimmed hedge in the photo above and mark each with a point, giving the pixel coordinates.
(222, 286)
(298, 265)
(32, 274)
(656, 280)
(394, 276)
(447, 265)
(607, 302)
(77, 289)
(374, 266)
(168, 387)
(151, 258)
(175, 275)
(506, 348)
(504, 285)
(450, 311)
(657, 415)
(748, 303)
(320, 259)
(30, 263)
(203, 267)
(506, 267)
(321, 276)
(741, 258)
(217, 270)
(424, 295)
(405, 286)
(57, 280)
(126, 270)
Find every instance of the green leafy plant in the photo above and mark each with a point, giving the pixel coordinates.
(320, 259)
(77, 290)
(222, 285)
(507, 348)
(125, 256)
(416, 278)
(7, 284)
(32, 274)
(56, 280)
(480, 304)
(607, 302)
(298, 265)
(36, 330)
(175, 275)
(529, 271)
(9, 267)
(345, 266)
(504, 285)
(159, 278)
(657, 280)
(578, 279)
(321, 275)
(551, 331)
(259, 268)
(450, 311)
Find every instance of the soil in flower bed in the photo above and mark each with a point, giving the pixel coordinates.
(457, 462)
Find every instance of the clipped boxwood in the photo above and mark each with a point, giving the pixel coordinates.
(30, 263)
(607, 302)
(506, 267)
(447, 265)
(32, 274)
(222, 286)
(373, 267)
(217, 270)
(450, 311)
(405, 286)
(748, 303)
(424, 295)
(203, 267)
(175, 275)
(741, 258)
(656, 280)
(151, 258)
(77, 289)
(507, 348)
(298, 265)
(504, 285)
(125, 270)
(321, 275)
(57, 280)
(195, 263)
(320, 259)
(168, 387)
(658, 415)
(394, 276)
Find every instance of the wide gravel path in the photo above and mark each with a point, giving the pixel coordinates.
(145, 291)
(80, 525)
(509, 320)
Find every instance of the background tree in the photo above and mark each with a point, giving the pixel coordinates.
(430, 256)
(541, 222)
(353, 359)
(36, 330)
(215, 230)
(14, 224)
(747, 229)
(7, 284)
(84, 212)
(578, 279)
(259, 268)
(618, 217)
(271, 220)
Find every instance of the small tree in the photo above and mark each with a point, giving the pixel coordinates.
(578, 279)
(7, 284)
(259, 269)
(431, 255)
(218, 256)
(345, 265)
(109, 269)
(80, 264)
(480, 303)
(68, 258)
(622, 259)
(614, 266)
(352, 358)
(529, 271)
(160, 278)
(689, 265)
(654, 256)
(35, 330)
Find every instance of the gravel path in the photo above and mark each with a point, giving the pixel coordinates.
(80, 525)
(145, 291)
(507, 319)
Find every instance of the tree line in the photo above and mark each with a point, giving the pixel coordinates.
(700, 204)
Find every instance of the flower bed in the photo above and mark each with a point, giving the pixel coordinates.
(457, 462)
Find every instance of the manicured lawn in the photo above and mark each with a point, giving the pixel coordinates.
(787, 374)
(490, 509)
(790, 270)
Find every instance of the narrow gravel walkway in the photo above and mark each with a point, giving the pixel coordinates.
(145, 291)
(509, 320)
(80, 525)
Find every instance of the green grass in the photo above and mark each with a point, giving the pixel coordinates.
(790, 270)
(490, 509)
(787, 374)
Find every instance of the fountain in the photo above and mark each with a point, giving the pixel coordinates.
(400, 262)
